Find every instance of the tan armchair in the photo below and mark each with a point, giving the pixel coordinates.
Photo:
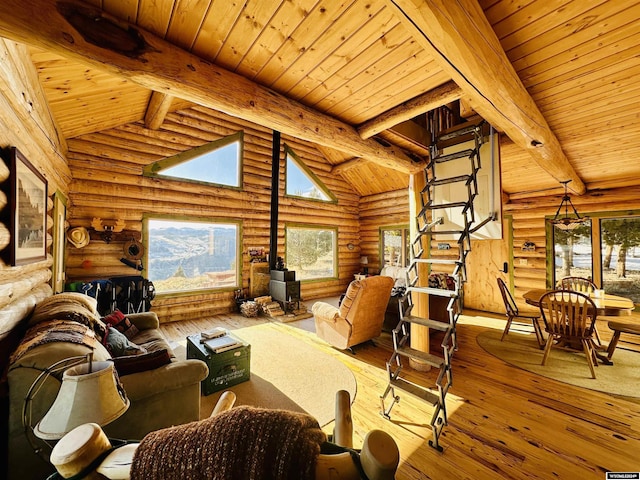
(360, 315)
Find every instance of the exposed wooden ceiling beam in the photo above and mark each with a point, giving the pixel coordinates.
(348, 165)
(461, 39)
(435, 98)
(81, 31)
(159, 105)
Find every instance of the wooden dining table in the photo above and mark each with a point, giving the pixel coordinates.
(608, 306)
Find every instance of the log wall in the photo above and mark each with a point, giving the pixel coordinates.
(529, 268)
(108, 183)
(376, 211)
(25, 123)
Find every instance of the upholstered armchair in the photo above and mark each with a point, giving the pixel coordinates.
(360, 315)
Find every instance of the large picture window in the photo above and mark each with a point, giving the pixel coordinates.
(573, 252)
(620, 252)
(216, 163)
(311, 251)
(605, 250)
(188, 255)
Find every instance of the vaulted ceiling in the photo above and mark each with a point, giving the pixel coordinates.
(559, 78)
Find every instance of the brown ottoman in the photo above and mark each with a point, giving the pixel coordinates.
(618, 328)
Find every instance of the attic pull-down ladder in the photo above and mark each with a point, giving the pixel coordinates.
(431, 226)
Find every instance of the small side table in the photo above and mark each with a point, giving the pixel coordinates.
(225, 369)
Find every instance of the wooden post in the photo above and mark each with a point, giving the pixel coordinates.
(275, 176)
(419, 333)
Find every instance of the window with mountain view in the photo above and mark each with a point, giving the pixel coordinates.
(187, 255)
(311, 252)
(302, 182)
(218, 162)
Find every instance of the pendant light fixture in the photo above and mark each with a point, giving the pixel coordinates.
(566, 222)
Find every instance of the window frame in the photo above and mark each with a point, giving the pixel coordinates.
(155, 169)
(313, 178)
(336, 266)
(188, 219)
(405, 238)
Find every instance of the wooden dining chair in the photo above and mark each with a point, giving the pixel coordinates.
(577, 284)
(513, 313)
(582, 285)
(569, 319)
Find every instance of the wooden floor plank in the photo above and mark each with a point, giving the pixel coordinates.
(504, 422)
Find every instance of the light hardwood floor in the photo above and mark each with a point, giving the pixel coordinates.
(503, 422)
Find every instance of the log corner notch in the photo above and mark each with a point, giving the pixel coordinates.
(477, 63)
(127, 51)
(159, 105)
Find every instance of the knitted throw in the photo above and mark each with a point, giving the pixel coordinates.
(244, 443)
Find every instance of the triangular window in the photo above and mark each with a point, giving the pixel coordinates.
(302, 182)
(218, 162)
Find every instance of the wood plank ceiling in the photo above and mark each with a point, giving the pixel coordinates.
(354, 60)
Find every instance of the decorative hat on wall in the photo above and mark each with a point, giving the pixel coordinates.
(78, 236)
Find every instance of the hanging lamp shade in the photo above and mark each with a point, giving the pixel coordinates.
(563, 220)
(90, 393)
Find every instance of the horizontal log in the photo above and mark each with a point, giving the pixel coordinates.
(21, 285)
(13, 313)
(5, 237)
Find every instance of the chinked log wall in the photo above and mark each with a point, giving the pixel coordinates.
(529, 268)
(108, 183)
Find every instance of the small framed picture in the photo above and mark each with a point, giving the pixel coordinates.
(28, 224)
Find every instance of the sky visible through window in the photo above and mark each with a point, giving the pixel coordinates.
(218, 166)
(299, 183)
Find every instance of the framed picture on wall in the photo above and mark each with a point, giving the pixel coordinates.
(28, 224)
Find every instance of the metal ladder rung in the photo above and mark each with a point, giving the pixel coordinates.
(443, 232)
(460, 132)
(442, 206)
(440, 292)
(416, 391)
(436, 261)
(426, 322)
(450, 180)
(420, 356)
(454, 156)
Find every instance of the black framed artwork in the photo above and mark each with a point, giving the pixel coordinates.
(28, 223)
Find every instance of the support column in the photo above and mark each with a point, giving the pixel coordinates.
(419, 333)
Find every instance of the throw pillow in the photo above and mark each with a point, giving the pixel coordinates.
(119, 345)
(121, 323)
(141, 363)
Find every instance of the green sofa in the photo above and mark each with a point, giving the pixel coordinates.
(160, 397)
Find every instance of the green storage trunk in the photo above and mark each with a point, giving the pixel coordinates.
(226, 368)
